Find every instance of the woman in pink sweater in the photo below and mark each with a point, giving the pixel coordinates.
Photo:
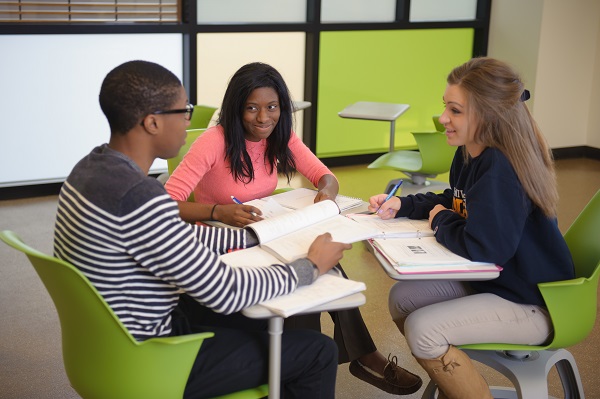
(242, 156)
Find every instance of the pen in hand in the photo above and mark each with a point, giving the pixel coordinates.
(390, 195)
(237, 201)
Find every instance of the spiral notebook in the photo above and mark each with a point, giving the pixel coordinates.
(303, 197)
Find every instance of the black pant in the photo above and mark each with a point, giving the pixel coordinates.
(350, 332)
(237, 356)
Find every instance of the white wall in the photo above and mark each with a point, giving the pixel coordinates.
(593, 135)
(515, 37)
(555, 44)
(215, 72)
(49, 105)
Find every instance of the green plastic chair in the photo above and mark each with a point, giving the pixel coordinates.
(172, 163)
(434, 157)
(281, 190)
(572, 305)
(192, 135)
(101, 358)
(201, 116)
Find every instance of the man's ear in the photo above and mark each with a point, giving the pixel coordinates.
(151, 123)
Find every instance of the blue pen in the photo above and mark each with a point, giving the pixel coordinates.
(391, 194)
(237, 201)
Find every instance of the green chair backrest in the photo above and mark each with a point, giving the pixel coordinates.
(436, 154)
(572, 304)
(172, 163)
(583, 238)
(438, 126)
(201, 116)
(101, 358)
(192, 135)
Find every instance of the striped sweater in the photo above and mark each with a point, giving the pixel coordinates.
(123, 231)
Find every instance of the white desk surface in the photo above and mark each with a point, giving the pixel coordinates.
(348, 302)
(374, 111)
(300, 105)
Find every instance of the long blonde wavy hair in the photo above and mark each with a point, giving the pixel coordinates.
(494, 99)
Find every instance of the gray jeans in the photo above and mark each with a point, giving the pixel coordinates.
(439, 313)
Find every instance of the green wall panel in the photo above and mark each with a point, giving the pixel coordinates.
(400, 66)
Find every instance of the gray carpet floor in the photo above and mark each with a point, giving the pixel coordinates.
(30, 347)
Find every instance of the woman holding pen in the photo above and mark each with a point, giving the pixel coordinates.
(501, 208)
(242, 155)
(239, 159)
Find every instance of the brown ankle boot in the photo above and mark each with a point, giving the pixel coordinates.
(456, 376)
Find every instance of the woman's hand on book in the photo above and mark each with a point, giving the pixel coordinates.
(324, 195)
(328, 188)
(326, 253)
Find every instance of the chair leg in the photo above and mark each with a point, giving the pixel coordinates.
(569, 377)
(430, 390)
(529, 375)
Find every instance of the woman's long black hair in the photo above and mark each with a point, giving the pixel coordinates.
(278, 155)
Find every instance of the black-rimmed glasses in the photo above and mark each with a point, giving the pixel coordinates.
(188, 111)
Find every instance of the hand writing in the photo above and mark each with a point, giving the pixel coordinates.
(387, 209)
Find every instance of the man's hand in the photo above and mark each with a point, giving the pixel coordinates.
(325, 253)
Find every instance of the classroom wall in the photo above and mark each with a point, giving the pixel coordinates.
(515, 36)
(593, 133)
(555, 45)
(49, 97)
(216, 67)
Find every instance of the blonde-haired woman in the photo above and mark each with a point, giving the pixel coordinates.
(501, 208)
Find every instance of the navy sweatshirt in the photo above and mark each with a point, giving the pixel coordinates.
(494, 221)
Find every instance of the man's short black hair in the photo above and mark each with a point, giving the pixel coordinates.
(135, 89)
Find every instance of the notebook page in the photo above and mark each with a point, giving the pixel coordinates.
(394, 228)
(303, 197)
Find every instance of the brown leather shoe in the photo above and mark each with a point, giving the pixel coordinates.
(395, 379)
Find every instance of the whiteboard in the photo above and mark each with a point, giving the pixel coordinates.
(50, 117)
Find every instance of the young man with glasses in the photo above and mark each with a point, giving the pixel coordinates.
(162, 276)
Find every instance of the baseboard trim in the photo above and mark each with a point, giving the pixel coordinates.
(29, 191)
(351, 160)
(576, 152)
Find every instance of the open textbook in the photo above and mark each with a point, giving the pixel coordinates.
(288, 236)
(418, 255)
(326, 288)
(303, 197)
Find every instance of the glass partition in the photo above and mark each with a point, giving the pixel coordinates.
(251, 12)
(214, 72)
(442, 10)
(400, 66)
(49, 106)
(361, 11)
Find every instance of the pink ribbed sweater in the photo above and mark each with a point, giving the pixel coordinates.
(205, 171)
